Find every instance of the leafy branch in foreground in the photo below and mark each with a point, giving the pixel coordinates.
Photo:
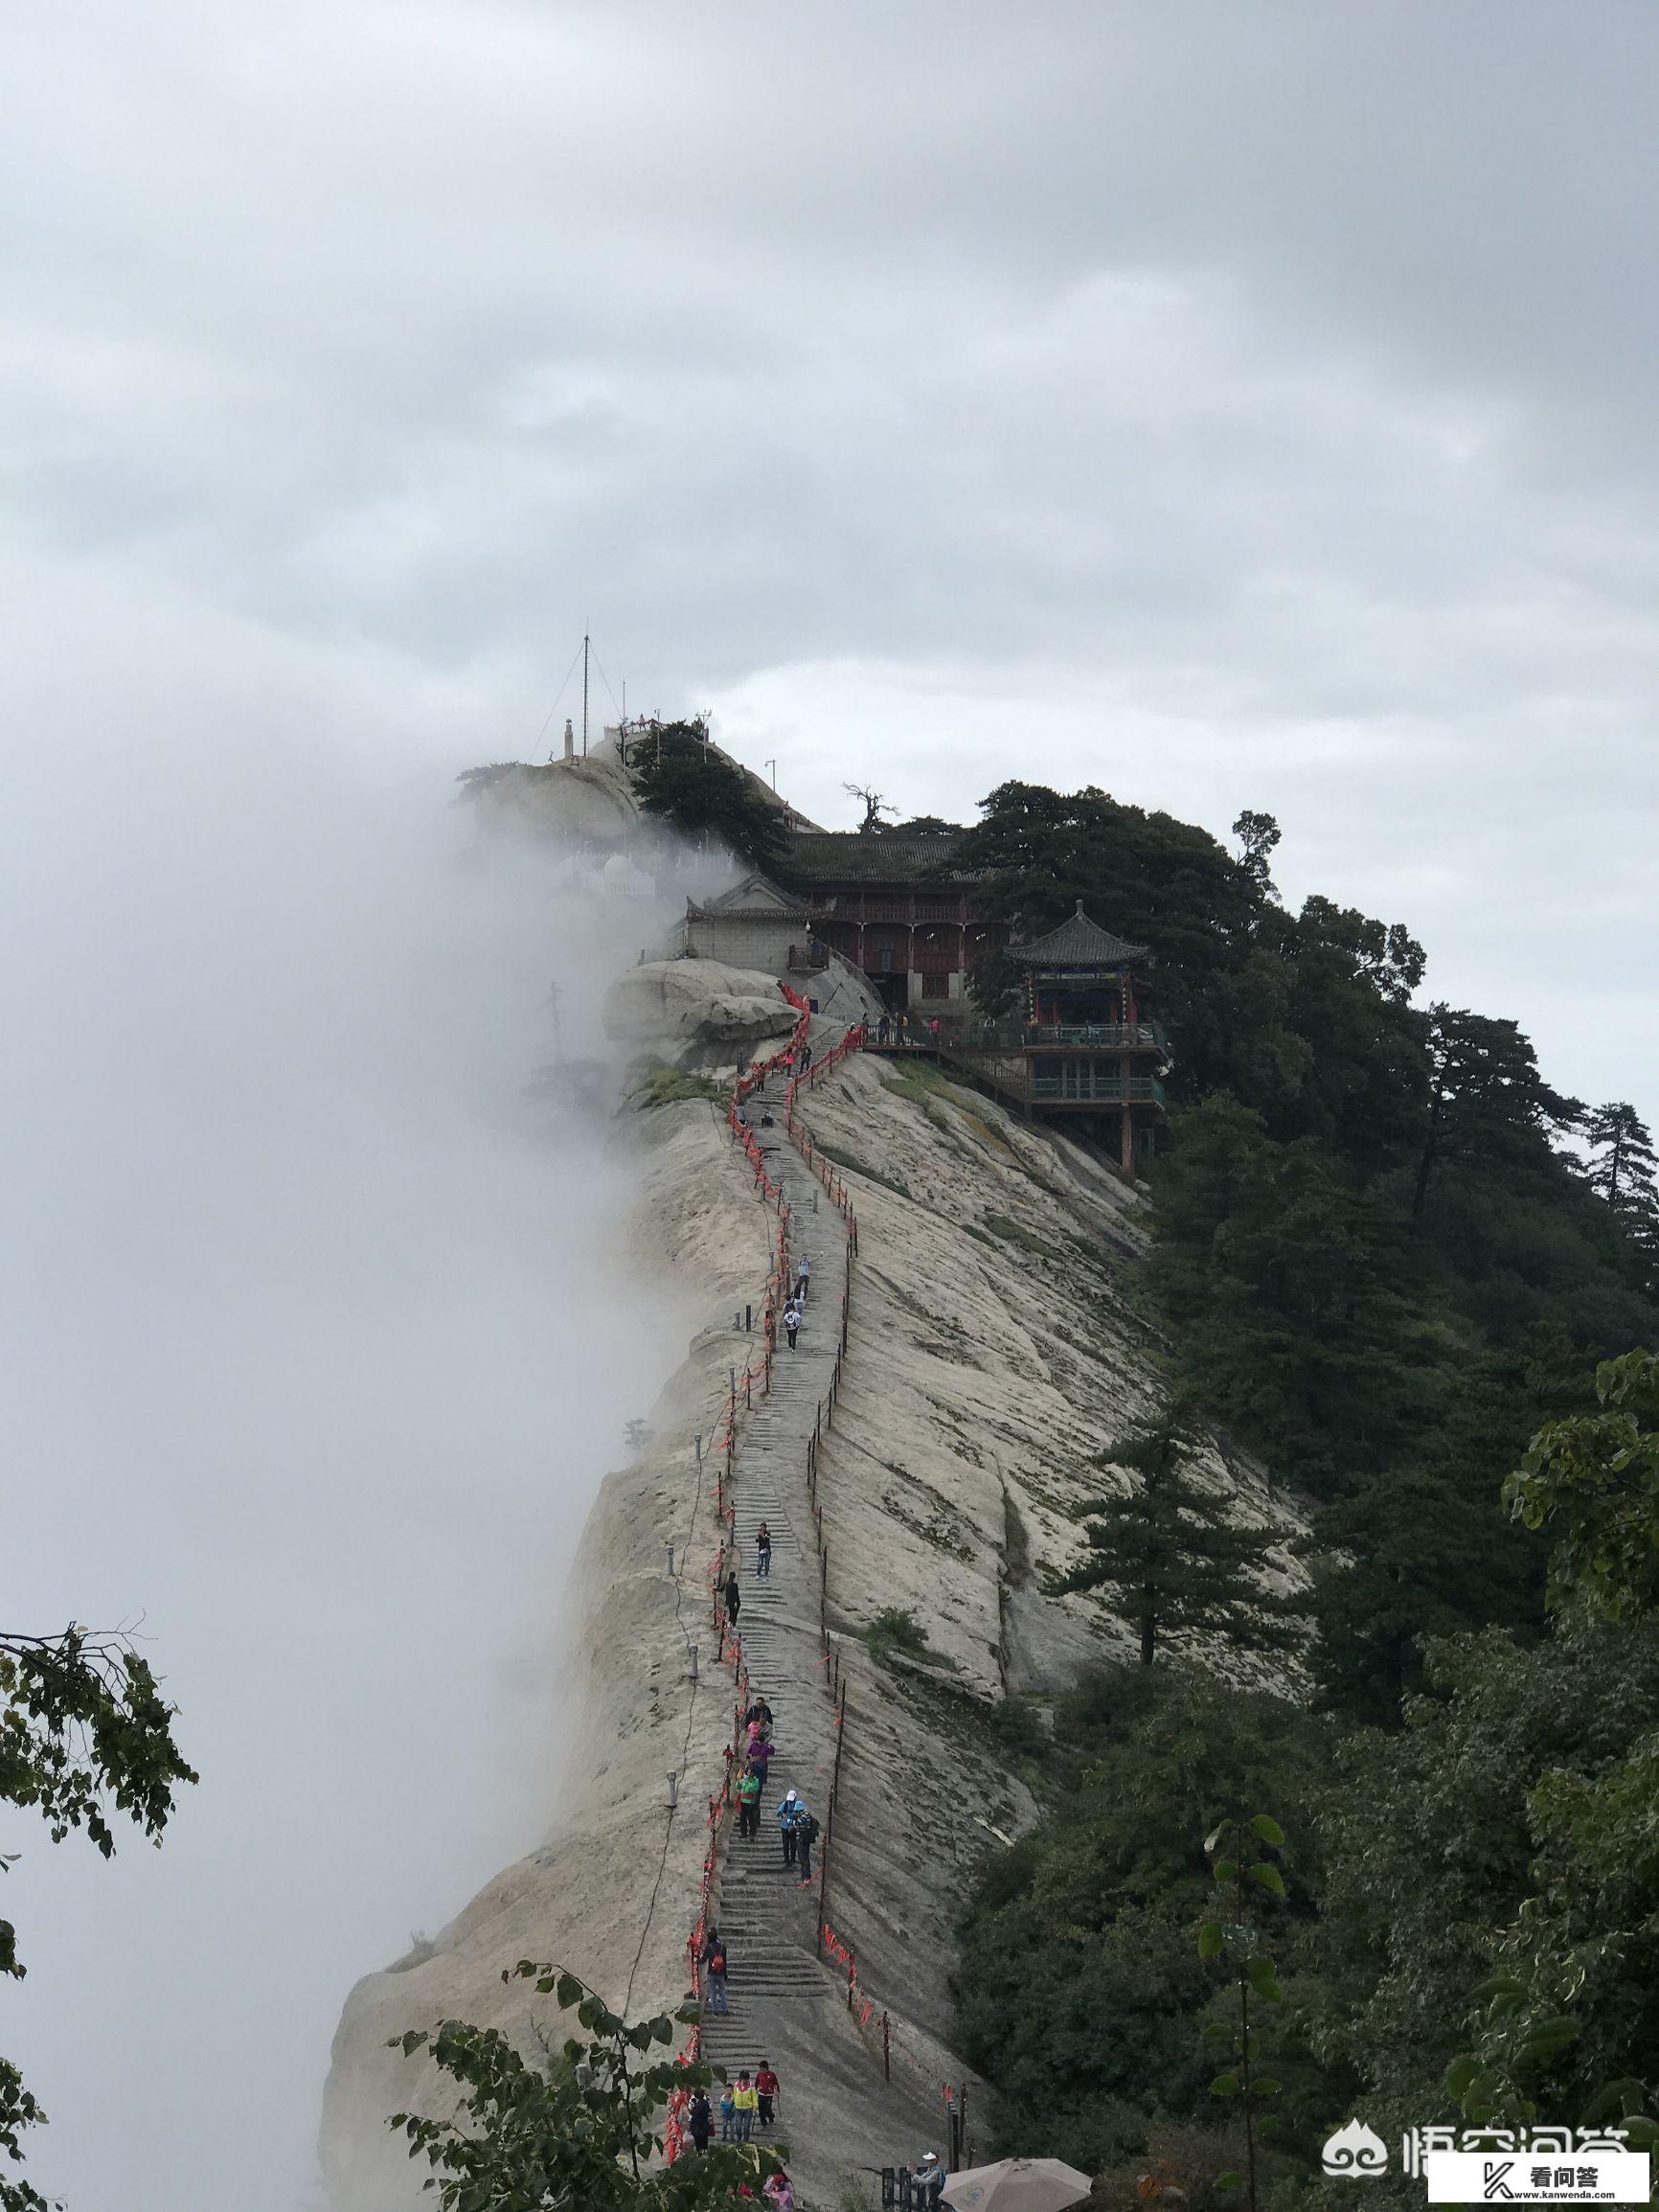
(582, 2134)
(1243, 1870)
(85, 1735)
(1593, 1484)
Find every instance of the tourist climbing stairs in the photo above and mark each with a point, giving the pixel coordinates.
(767, 1918)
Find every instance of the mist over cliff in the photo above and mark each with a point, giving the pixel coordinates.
(317, 1339)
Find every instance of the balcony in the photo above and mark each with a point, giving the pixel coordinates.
(1082, 1083)
(1046, 1036)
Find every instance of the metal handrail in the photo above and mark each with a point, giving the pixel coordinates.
(1033, 1036)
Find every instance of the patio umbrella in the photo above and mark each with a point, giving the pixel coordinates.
(1017, 2185)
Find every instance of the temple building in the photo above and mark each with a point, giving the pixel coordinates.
(893, 902)
(754, 924)
(1084, 1050)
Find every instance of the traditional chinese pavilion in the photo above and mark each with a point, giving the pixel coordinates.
(1084, 1050)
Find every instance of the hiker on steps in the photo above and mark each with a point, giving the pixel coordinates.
(766, 2090)
(764, 1538)
(749, 1801)
(806, 1835)
(734, 1599)
(728, 2115)
(787, 1814)
(748, 2104)
(758, 1710)
(792, 1323)
(717, 1997)
(803, 1280)
(699, 2119)
(760, 1757)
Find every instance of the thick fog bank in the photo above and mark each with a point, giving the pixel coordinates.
(316, 1344)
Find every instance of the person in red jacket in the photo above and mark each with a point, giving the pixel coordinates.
(766, 2089)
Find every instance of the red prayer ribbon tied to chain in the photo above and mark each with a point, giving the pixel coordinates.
(724, 1441)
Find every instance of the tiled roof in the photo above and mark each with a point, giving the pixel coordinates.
(755, 895)
(1077, 943)
(888, 857)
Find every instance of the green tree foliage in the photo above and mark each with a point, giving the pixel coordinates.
(1245, 1867)
(1486, 1839)
(1427, 1550)
(1591, 1483)
(1417, 1552)
(1487, 1101)
(1079, 1994)
(1172, 1555)
(679, 778)
(1258, 836)
(582, 2134)
(1622, 1162)
(1430, 1136)
(1288, 1286)
(1624, 1172)
(85, 1739)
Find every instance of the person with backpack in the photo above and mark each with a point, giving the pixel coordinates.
(716, 1998)
(806, 1835)
(758, 1710)
(749, 1801)
(787, 1818)
(764, 1539)
(927, 2182)
(699, 2120)
(766, 2089)
(792, 1323)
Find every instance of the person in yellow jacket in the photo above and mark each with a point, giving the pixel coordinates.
(746, 2099)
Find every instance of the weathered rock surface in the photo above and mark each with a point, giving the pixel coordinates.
(992, 1355)
(613, 1892)
(669, 1003)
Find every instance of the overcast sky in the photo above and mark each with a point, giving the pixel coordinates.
(1228, 406)
(1225, 404)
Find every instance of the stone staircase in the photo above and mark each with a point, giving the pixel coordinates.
(767, 1918)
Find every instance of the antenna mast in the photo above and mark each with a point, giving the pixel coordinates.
(585, 643)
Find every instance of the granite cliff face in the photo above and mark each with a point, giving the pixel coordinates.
(992, 1353)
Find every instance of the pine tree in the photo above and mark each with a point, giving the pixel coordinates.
(1169, 1550)
(1622, 1162)
(680, 778)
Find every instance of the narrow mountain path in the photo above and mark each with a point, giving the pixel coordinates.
(839, 2115)
(767, 1916)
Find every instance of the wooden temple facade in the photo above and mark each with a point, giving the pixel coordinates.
(893, 904)
(1084, 1051)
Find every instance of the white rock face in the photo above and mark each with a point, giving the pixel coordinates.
(993, 1355)
(591, 1896)
(676, 1002)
